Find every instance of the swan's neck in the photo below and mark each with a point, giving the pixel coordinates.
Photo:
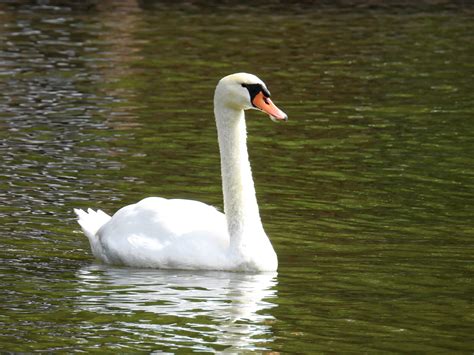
(240, 201)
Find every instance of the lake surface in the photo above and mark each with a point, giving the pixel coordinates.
(366, 193)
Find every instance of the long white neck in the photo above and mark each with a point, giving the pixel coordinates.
(240, 201)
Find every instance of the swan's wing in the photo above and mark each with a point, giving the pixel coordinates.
(158, 232)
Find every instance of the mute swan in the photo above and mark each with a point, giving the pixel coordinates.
(185, 234)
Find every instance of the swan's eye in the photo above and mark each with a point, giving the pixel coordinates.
(254, 89)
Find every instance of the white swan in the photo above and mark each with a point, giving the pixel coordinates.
(184, 234)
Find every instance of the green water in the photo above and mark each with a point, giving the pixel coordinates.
(366, 193)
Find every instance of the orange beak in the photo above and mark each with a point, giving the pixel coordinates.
(266, 105)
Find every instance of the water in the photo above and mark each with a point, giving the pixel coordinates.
(366, 192)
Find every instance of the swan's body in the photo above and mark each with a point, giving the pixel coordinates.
(185, 234)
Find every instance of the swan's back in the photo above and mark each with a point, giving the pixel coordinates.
(157, 232)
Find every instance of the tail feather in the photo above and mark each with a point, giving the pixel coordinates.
(91, 221)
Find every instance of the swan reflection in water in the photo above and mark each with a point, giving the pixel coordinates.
(206, 308)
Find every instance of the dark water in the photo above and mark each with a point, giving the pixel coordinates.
(366, 193)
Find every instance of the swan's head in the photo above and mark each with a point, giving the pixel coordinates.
(243, 91)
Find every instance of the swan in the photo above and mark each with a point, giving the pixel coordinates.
(184, 234)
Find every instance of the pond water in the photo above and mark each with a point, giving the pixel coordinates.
(366, 193)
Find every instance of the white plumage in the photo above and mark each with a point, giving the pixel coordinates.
(185, 234)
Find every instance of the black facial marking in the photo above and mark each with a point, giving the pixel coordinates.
(254, 89)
